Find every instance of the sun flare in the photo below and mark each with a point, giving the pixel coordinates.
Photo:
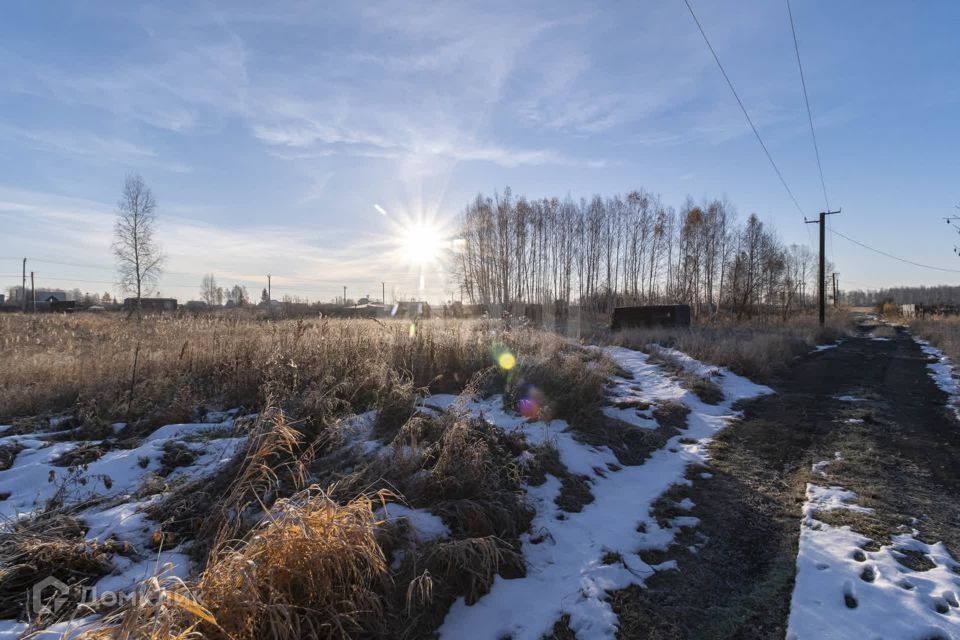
(421, 243)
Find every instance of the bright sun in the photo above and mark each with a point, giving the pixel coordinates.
(421, 243)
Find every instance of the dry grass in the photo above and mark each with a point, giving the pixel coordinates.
(184, 364)
(310, 572)
(942, 332)
(278, 560)
(758, 351)
(212, 512)
(52, 363)
(163, 608)
(50, 544)
(702, 386)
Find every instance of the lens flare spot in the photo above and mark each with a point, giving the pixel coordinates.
(530, 403)
(507, 361)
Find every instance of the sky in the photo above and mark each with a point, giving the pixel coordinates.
(302, 139)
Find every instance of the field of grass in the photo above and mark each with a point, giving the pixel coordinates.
(755, 350)
(289, 539)
(286, 535)
(165, 368)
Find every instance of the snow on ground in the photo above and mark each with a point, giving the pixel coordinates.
(12, 630)
(109, 482)
(629, 403)
(941, 370)
(819, 467)
(33, 479)
(848, 398)
(427, 525)
(565, 552)
(844, 592)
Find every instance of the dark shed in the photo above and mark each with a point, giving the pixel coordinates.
(659, 315)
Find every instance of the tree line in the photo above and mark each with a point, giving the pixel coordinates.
(940, 294)
(627, 250)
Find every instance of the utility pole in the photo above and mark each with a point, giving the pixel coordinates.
(823, 266)
(23, 287)
(33, 292)
(269, 290)
(344, 295)
(835, 302)
(383, 294)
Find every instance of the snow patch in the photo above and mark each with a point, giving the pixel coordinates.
(848, 398)
(844, 592)
(565, 552)
(427, 525)
(940, 369)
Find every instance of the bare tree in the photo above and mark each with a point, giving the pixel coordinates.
(139, 258)
(210, 292)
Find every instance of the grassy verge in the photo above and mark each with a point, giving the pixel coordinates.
(942, 332)
(758, 351)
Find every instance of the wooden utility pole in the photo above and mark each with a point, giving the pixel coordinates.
(33, 292)
(835, 301)
(344, 295)
(383, 294)
(23, 288)
(823, 265)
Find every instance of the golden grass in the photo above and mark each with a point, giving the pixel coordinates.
(755, 350)
(278, 560)
(313, 369)
(313, 569)
(310, 572)
(53, 362)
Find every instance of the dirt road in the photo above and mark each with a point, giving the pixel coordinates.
(870, 400)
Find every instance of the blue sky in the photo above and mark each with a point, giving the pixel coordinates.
(268, 131)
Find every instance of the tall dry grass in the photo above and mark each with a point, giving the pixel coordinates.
(163, 369)
(311, 572)
(278, 560)
(943, 332)
(758, 351)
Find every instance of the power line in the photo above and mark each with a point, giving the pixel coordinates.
(890, 255)
(743, 108)
(806, 100)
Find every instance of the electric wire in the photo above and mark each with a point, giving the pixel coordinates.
(743, 108)
(890, 255)
(806, 100)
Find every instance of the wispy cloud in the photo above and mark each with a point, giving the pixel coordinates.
(90, 146)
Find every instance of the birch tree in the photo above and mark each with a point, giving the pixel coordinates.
(139, 258)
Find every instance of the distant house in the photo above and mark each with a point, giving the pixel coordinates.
(151, 304)
(196, 305)
(51, 296)
(43, 295)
